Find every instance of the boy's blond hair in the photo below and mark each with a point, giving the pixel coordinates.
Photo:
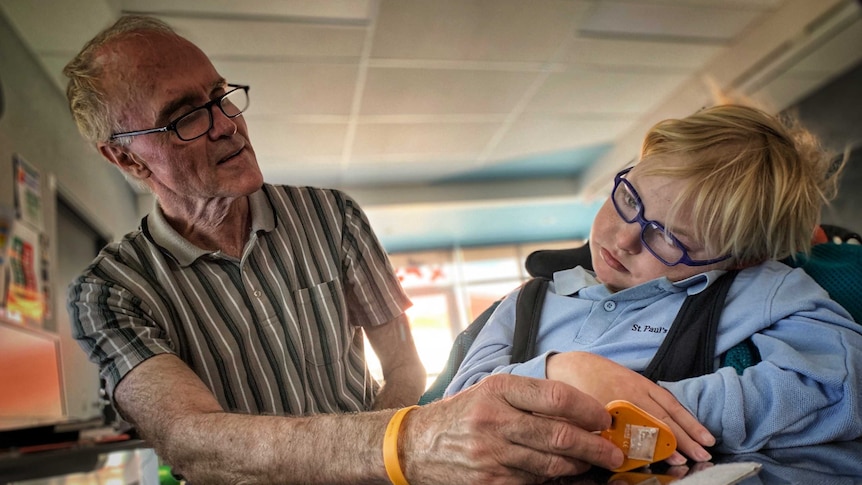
(756, 185)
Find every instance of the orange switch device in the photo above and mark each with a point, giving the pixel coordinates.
(643, 438)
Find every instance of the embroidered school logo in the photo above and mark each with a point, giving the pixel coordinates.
(648, 328)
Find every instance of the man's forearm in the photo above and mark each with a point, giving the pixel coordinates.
(231, 448)
(205, 444)
(480, 433)
(402, 387)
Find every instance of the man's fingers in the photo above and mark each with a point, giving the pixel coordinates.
(541, 465)
(557, 419)
(554, 398)
(563, 441)
(553, 418)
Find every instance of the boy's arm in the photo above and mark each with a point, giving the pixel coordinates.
(606, 381)
(806, 389)
(591, 374)
(491, 351)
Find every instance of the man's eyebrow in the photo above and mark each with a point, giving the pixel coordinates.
(176, 104)
(188, 100)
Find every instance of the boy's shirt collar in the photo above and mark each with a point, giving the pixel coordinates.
(571, 281)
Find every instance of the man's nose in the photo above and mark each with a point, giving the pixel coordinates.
(221, 124)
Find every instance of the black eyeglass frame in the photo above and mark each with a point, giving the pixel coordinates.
(644, 223)
(172, 126)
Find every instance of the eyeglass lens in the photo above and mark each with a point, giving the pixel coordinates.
(654, 237)
(198, 122)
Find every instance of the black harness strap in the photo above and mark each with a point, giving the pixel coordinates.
(688, 349)
(528, 310)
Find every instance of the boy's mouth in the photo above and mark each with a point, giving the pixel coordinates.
(612, 262)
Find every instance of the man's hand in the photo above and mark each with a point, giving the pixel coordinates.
(507, 429)
(606, 381)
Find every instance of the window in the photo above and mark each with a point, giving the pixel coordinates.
(450, 288)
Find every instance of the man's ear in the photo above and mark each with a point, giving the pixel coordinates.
(124, 159)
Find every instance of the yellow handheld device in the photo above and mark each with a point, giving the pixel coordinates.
(643, 438)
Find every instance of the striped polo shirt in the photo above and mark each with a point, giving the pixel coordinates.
(274, 332)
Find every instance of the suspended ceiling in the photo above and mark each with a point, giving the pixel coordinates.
(463, 122)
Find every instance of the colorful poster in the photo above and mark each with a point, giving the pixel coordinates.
(7, 221)
(24, 296)
(28, 193)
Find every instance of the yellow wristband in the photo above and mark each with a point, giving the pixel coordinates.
(390, 447)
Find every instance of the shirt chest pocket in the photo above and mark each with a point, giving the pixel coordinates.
(321, 313)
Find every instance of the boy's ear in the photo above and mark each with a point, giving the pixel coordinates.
(124, 159)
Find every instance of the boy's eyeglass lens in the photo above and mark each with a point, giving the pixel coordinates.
(654, 237)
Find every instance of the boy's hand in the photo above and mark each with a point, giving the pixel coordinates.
(606, 381)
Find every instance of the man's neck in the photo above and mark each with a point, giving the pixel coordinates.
(220, 225)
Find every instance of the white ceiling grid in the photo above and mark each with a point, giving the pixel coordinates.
(378, 95)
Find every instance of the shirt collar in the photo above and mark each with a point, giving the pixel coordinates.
(571, 281)
(161, 233)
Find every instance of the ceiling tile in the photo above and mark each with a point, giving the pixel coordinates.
(535, 165)
(667, 20)
(593, 91)
(316, 172)
(545, 134)
(320, 10)
(283, 88)
(437, 91)
(630, 54)
(381, 174)
(489, 30)
(744, 4)
(420, 141)
(231, 38)
(277, 139)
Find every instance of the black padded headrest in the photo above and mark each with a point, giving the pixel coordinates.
(545, 262)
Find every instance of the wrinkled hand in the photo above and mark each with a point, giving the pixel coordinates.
(606, 381)
(506, 430)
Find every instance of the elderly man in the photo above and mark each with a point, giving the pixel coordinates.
(227, 326)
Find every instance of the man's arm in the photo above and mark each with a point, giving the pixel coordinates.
(175, 412)
(507, 428)
(403, 372)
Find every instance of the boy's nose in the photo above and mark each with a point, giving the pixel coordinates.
(628, 237)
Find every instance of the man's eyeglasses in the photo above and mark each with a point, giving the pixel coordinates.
(197, 122)
(658, 241)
